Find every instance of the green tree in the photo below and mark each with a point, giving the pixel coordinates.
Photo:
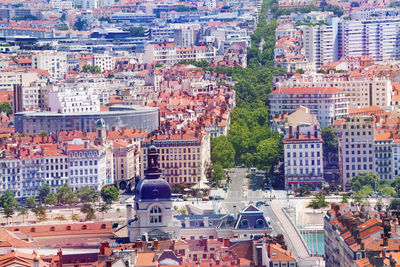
(43, 134)
(300, 71)
(23, 212)
(345, 199)
(80, 24)
(92, 69)
(6, 107)
(43, 192)
(50, 199)
(64, 194)
(109, 193)
(136, 31)
(267, 154)
(396, 185)
(302, 191)
(386, 190)
(394, 204)
(89, 211)
(222, 152)
(218, 172)
(363, 192)
(104, 207)
(363, 179)
(8, 203)
(40, 213)
(318, 202)
(31, 202)
(87, 194)
(330, 142)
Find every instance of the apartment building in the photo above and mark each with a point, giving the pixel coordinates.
(361, 91)
(356, 147)
(303, 150)
(28, 98)
(184, 158)
(104, 61)
(168, 53)
(68, 100)
(87, 165)
(376, 37)
(328, 103)
(54, 62)
(384, 160)
(126, 163)
(320, 42)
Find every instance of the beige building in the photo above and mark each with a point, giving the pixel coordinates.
(126, 163)
(356, 142)
(361, 92)
(184, 158)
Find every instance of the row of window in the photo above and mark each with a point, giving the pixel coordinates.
(312, 154)
(300, 146)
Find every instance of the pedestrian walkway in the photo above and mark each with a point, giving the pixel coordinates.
(304, 257)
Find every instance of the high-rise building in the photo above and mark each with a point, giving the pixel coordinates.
(321, 43)
(356, 152)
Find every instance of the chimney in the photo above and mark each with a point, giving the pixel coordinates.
(227, 243)
(138, 245)
(290, 131)
(128, 212)
(155, 245)
(59, 254)
(385, 242)
(102, 247)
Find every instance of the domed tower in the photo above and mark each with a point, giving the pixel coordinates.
(153, 205)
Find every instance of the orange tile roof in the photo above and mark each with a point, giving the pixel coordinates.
(145, 259)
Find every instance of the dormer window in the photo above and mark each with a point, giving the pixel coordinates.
(244, 224)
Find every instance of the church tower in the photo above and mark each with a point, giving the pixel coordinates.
(153, 205)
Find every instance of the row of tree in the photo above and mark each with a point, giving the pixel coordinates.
(250, 140)
(87, 196)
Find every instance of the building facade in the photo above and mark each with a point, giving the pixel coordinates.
(328, 103)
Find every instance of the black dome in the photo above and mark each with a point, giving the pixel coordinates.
(153, 189)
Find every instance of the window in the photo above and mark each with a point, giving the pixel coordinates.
(155, 215)
(84, 227)
(68, 228)
(52, 229)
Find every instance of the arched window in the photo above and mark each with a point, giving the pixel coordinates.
(244, 224)
(155, 215)
(103, 226)
(84, 227)
(33, 230)
(52, 229)
(68, 228)
(16, 230)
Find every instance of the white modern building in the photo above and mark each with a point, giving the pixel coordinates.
(320, 43)
(54, 62)
(68, 100)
